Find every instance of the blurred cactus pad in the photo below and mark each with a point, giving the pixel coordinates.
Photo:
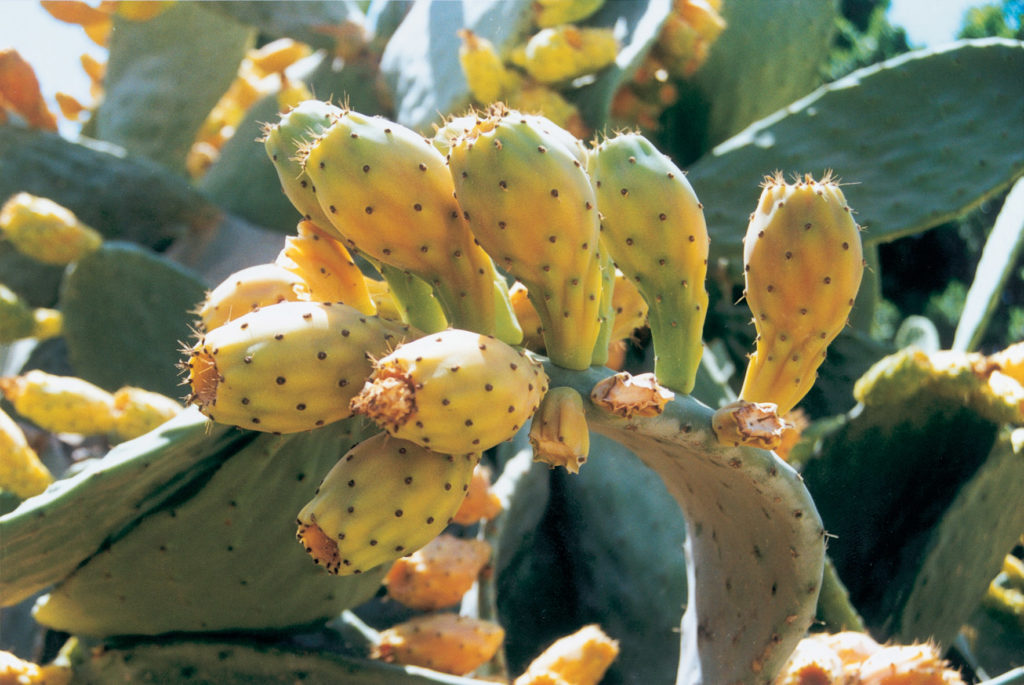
(536, 275)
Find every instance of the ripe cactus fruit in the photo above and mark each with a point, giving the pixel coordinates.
(384, 498)
(326, 267)
(387, 190)
(138, 411)
(687, 35)
(554, 12)
(437, 575)
(287, 367)
(561, 53)
(803, 264)
(521, 183)
(526, 313)
(21, 471)
(559, 433)
(581, 659)
(60, 404)
(907, 665)
(629, 306)
(653, 225)
(45, 230)
(453, 392)
(249, 289)
(812, 663)
(445, 642)
(481, 502)
(486, 75)
(20, 320)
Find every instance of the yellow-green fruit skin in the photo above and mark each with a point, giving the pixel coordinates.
(653, 225)
(326, 267)
(384, 498)
(521, 183)
(249, 289)
(454, 392)
(46, 231)
(803, 263)
(287, 367)
(60, 404)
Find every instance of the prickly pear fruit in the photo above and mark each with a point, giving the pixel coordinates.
(581, 659)
(907, 665)
(384, 498)
(19, 320)
(21, 471)
(138, 411)
(521, 183)
(526, 313)
(437, 575)
(687, 35)
(626, 395)
(287, 367)
(17, 671)
(629, 305)
(486, 75)
(561, 53)
(45, 230)
(803, 264)
(755, 424)
(60, 404)
(445, 642)
(812, 663)
(554, 12)
(653, 226)
(453, 392)
(481, 502)
(559, 433)
(852, 647)
(530, 96)
(326, 267)
(249, 289)
(387, 190)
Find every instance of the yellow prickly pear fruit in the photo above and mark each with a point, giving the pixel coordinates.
(565, 52)
(384, 300)
(554, 12)
(249, 289)
(19, 320)
(687, 35)
(138, 411)
(437, 575)
(580, 659)
(45, 230)
(60, 404)
(384, 498)
(278, 55)
(812, 663)
(559, 433)
(481, 502)
(526, 313)
(629, 305)
(445, 642)
(544, 100)
(21, 471)
(325, 267)
(653, 225)
(907, 665)
(521, 183)
(454, 392)
(803, 263)
(17, 671)
(1010, 361)
(287, 367)
(486, 75)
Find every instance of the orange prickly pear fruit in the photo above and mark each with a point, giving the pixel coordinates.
(326, 267)
(559, 433)
(21, 471)
(454, 391)
(287, 367)
(249, 289)
(812, 663)
(481, 502)
(521, 183)
(445, 642)
(803, 263)
(581, 659)
(46, 231)
(60, 404)
(653, 225)
(384, 498)
(438, 574)
(907, 665)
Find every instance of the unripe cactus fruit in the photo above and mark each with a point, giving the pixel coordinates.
(21, 471)
(326, 267)
(45, 230)
(438, 574)
(19, 320)
(387, 190)
(287, 367)
(453, 392)
(653, 225)
(481, 502)
(581, 659)
(384, 498)
(559, 433)
(60, 404)
(803, 263)
(249, 289)
(138, 411)
(521, 183)
(445, 642)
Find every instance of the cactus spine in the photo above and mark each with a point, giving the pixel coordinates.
(803, 264)
(653, 226)
(521, 183)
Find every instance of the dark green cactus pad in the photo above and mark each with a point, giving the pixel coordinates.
(224, 558)
(307, 21)
(48, 536)
(164, 76)
(126, 313)
(921, 139)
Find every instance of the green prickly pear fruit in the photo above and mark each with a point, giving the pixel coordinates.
(326, 267)
(803, 263)
(287, 367)
(387, 190)
(18, 319)
(521, 183)
(653, 226)
(247, 290)
(559, 433)
(385, 498)
(454, 391)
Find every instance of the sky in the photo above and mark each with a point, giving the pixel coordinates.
(53, 48)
